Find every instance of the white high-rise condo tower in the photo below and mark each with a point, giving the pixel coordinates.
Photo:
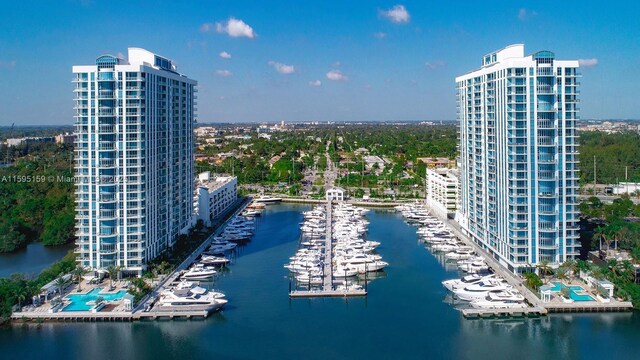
(519, 158)
(134, 159)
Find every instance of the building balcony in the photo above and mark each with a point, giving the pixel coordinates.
(545, 71)
(545, 90)
(108, 251)
(547, 246)
(106, 112)
(106, 94)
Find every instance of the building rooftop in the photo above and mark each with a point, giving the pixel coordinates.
(205, 180)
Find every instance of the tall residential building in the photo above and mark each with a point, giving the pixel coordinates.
(519, 158)
(134, 159)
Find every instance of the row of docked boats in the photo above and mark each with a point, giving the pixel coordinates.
(478, 286)
(189, 294)
(351, 251)
(343, 243)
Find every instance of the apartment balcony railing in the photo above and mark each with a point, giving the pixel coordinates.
(106, 94)
(544, 71)
(547, 246)
(543, 90)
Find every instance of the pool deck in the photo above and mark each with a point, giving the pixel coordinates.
(118, 313)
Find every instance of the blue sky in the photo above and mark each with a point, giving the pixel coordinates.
(325, 60)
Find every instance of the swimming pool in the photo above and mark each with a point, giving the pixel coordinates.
(79, 301)
(576, 292)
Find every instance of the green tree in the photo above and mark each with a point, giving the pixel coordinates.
(544, 269)
(532, 280)
(78, 273)
(61, 283)
(113, 272)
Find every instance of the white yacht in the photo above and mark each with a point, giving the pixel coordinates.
(251, 213)
(349, 287)
(199, 272)
(305, 279)
(459, 254)
(267, 199)
(480, 290)
(473, 267)
(454, 284)
(501, 300)
(343, 272)
(214, 260)
(187, 296)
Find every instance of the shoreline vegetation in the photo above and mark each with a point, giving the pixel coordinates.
(37, 204)
(17, 289)
(618, 228)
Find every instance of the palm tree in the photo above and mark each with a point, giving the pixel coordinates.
(78, 272)
(571, 266)
(61, 283)
(21, 295)
(113, 272)
(544, 268)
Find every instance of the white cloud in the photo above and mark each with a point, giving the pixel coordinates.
(380, 35)
(397, 14)
(283, 68)
(315, 83)
(524, 14)
(235, 28)
(7, 64)
(206, 27)
(336, 75)
(434, 65)
(223, 73)
(225, 55)
(587, 63)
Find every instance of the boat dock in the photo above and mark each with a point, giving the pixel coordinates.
(139, 313)
(327, 285)
(328, 252)
(538, 307)
(484, 313)
(173, 276)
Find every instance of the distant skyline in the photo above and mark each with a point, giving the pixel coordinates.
(323, 61)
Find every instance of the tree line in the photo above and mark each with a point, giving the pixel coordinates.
(35, 205)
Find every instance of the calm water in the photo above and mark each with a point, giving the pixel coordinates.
(404, 316)
(32, 259)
